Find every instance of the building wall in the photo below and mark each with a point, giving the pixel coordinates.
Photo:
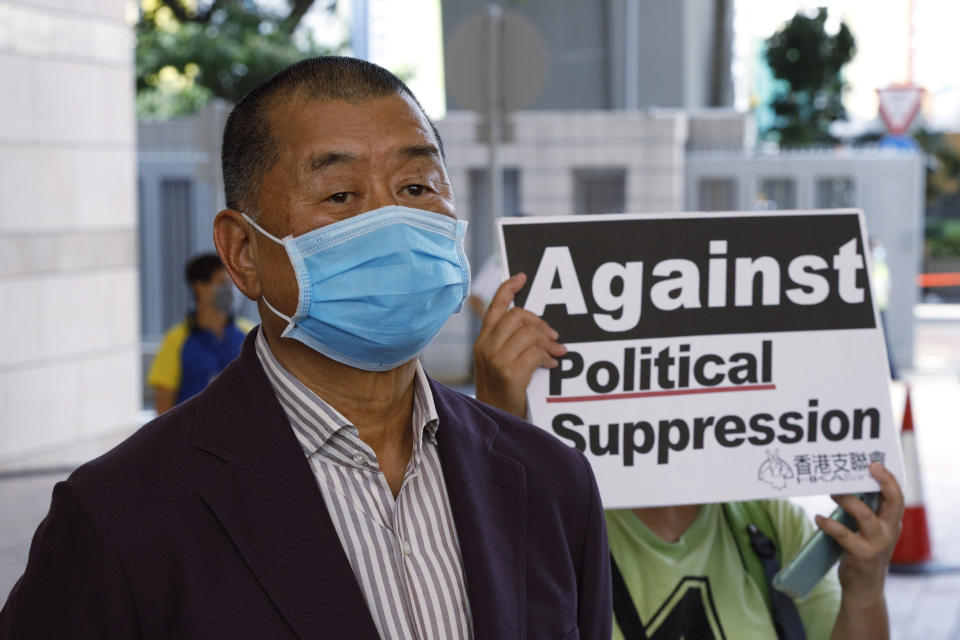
(69, 365)
(548, 145)
(664, 59)
(576, 37)
(588, 49)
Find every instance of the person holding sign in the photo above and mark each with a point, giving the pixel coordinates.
(685, 570)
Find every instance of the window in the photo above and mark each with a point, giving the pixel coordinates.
(776, 193)
(600, 190)
(835, 192)
(717, 194)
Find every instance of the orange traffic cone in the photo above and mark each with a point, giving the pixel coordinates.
(913, 547)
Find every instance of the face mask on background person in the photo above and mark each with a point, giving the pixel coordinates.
(375, 289)
(223, 298)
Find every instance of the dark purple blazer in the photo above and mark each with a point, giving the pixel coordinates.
(208, 523)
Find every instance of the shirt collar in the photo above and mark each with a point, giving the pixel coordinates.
(315, 422)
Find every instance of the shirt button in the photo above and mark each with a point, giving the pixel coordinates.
(360, 458)
(406, 548)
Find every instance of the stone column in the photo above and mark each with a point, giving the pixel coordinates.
(69, 368)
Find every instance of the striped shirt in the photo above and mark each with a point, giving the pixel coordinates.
(404, 552)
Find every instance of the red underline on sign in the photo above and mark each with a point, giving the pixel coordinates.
(652, 394)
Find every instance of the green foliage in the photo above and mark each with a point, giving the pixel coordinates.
(943, 165)
(185, 56)
(941, 233)
(163, 102)
(942, 238)
(808, 61)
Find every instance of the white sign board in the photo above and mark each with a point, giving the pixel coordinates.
(711, 357)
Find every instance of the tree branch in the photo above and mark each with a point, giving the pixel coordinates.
(300, 7)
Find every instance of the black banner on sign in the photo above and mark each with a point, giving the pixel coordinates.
(608, 279)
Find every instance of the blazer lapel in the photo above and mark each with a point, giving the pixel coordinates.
(267, 500)
(488, 497)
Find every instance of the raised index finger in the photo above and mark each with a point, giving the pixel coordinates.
(501, 301)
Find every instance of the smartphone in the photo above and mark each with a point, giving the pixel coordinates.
(816, 557)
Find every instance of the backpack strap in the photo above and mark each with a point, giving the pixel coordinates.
(623, 610)
(739, 516)
(756, 540)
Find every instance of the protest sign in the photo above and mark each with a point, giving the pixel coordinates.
(711, 357)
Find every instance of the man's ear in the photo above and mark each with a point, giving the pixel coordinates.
(232, 235)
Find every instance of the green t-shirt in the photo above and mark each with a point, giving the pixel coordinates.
(697, 588)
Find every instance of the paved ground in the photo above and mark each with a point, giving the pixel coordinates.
(23, 503)
(928, 607)
(921, 607)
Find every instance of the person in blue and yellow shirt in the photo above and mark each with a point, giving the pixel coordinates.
(194, 351)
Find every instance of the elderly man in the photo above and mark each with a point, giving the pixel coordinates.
(323, 486)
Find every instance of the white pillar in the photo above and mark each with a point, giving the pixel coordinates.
(69, 364)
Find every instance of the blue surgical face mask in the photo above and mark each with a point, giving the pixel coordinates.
(376, 288)
(223, 299)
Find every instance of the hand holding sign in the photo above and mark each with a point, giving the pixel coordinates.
(513, 343)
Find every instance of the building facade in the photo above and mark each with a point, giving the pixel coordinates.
(625, 54)
(69, 339)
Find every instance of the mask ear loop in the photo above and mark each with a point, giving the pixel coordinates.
(261, 229)
(290, 323)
